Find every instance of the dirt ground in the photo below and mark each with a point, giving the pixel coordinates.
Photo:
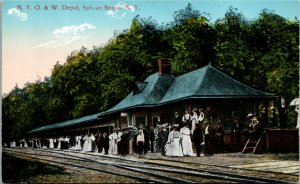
(225, 159)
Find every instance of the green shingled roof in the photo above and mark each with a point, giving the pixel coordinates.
(206, 82)
(156, 87)
(65, 123)
(159, 89)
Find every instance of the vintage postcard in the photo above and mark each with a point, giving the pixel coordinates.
(105, 91)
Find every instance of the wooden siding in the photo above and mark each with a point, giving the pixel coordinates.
(282, 140)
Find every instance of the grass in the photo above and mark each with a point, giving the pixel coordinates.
(15, 169)
(287, 156)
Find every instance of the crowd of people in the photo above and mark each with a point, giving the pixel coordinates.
(189, 132)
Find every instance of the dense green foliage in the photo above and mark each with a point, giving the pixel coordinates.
(262, 53)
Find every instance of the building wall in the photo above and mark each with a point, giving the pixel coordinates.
(275, 141)
(123, 122)
(145, 117)
(282, 140)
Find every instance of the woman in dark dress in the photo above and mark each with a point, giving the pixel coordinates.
(105, 142)
(124, 143)
(99, 142)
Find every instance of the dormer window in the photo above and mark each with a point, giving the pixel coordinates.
(139, 87)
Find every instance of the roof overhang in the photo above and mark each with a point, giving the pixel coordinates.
(206, 98)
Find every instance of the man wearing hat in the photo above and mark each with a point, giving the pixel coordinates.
(209, 135)
(146, 137)
(163, 138)
(254, 128)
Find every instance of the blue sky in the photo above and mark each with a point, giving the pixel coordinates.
(35, 37)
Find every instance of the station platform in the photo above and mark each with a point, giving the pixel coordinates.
(272, 163)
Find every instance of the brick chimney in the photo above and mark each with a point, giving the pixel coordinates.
(164, 66)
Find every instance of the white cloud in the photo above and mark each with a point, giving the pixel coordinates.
(66, 35)
(120, 10)
(72, 30)
(19, 15)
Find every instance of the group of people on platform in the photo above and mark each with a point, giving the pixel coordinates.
(191, 130)
(194, 129)
(188, 131)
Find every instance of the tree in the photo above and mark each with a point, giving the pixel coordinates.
(232, 54)
(262, 53)
(192, 40)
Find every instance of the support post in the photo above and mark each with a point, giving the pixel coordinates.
(281, 110)
(266, 114)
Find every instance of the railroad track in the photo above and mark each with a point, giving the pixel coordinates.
(206, 170)
(206, 165)
(83, 164)
(140, 170)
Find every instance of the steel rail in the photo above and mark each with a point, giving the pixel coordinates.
(216, 173)
(222, 166)
(228, 175)
(206, 173)
(173, 179)
(93, 169)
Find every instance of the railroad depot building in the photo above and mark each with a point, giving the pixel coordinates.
(160, 95)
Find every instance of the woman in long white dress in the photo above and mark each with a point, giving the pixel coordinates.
(25, 143)
(173, 146)
(186, 142)
(59, 142)
(51, 143)
(86, 143)
(78, 143)
(92, 143)
(113, 143)
(194, 121)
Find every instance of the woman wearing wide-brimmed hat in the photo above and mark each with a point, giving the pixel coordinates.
(173, 146)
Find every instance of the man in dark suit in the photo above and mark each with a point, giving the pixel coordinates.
(177, 120)
(146, 136)
(198, 139)
(209, 134)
